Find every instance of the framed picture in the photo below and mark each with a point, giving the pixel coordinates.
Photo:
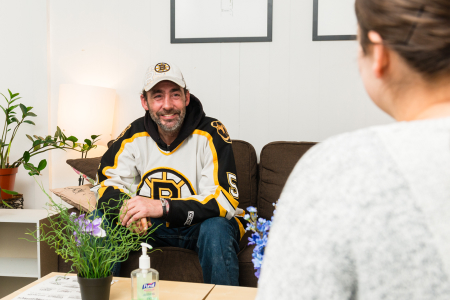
(220, 21)
(334, 20)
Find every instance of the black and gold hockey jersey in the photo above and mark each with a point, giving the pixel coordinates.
(196, 172)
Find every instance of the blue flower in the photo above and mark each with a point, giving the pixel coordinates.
(257, 273)
(251, 209)
(250, 227)
(259, 237)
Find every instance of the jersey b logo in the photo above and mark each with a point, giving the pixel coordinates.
(165, 183)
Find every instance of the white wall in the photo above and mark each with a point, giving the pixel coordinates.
(23, 69)
(289, 89)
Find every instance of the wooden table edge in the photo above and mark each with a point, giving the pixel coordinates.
(23, 289)
(216, 289)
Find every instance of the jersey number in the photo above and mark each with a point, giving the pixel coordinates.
(233, 186)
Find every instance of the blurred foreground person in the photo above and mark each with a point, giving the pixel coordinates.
(366, 215)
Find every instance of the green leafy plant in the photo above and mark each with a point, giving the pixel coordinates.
(12, 120)
(58, 141)
(88, 145)
(86, 240)
(39, 144)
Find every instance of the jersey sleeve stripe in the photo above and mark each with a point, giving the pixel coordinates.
(223, 201)
(230, 199)
(213, 151)
(102, 190)
(204, 201)
(122, 147)
(241, 227)
(216, 195)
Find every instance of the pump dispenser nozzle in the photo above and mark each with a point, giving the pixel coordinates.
(144, 260)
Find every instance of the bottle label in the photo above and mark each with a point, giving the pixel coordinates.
(147, 287)
(148, 291)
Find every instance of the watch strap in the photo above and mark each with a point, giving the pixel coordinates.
(164, 207)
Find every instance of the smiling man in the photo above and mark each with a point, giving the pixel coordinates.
(178, 166)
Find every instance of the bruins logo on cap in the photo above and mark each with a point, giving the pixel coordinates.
(162, 68)
(222, 131)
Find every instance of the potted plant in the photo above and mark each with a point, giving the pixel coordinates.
(90, 243)
(13, 121)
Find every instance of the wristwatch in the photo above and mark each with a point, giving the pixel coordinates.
(164, 207)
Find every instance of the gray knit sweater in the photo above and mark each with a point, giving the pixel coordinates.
(365, 215)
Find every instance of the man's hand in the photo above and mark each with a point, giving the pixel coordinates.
(140, 207)
(140, 227)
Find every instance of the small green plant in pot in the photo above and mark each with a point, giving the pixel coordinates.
(13, 121)
(90, 244)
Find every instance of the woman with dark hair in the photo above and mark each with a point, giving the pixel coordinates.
(366, 215)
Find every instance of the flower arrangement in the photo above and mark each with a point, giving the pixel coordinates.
(87, 240)
(259, 238)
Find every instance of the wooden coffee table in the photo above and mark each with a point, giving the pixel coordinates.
(225, 292)
(168, 290)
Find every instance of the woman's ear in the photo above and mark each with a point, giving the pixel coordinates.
(380, 54)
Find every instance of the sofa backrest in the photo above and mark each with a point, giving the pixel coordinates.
(276, 163)
(246, 169)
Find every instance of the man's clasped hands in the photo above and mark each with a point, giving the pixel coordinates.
(135, 211)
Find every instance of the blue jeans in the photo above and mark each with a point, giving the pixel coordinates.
(216, 241)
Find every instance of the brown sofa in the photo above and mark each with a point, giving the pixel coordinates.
(259, 185)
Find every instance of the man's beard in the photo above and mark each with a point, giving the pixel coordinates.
(175, 127)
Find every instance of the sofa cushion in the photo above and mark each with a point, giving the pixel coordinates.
(80, 197)
(87, 166)
(246, 269)
(276, 163)
(246, 169)
(175, 264)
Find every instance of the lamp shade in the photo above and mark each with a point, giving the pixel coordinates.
(85, 110)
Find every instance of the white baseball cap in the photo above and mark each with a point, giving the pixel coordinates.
(163, 71)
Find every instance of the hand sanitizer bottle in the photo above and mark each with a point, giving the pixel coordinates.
(145, 281)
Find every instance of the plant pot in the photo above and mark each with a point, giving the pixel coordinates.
(95, 288)
(7, 180)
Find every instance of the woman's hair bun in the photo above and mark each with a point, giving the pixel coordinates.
(419, 30)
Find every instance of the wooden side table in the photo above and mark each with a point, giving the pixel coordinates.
(21, 260)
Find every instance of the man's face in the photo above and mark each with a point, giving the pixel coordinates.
(166, 103)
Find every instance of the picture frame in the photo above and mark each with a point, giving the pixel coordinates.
(335, 12)
(233, 28)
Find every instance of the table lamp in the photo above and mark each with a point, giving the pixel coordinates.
(85, 110)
